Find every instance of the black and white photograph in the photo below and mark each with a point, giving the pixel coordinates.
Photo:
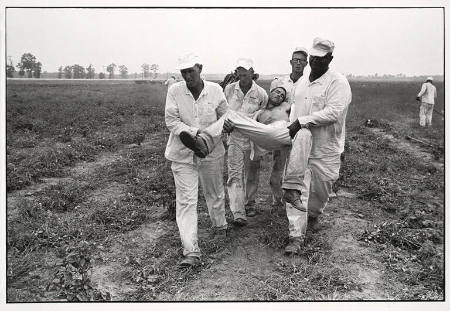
(223, 152)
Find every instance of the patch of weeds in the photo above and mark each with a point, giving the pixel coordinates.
(72, 281)
(410, 252)
(105, 142)
(17, 177)
(156, 187)
(382, 174)
(120, 216)
(122, 170)
(21, 229)
(19, 265)
(396, 233)
(26, 139)
(64, 196)
(159, 272)
(275, 233)
(305, 281)
(374, 123)
(24, 167)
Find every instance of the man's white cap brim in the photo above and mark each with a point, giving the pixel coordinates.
(245, 63)
(315, 52)
(300, 49)
(187, 61)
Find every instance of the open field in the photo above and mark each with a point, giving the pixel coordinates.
(90, 205)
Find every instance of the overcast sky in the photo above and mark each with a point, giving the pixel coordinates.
(368, 41)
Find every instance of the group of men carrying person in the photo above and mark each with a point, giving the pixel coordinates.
(301, 121)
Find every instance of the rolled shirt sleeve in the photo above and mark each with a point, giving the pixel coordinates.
(422, 90)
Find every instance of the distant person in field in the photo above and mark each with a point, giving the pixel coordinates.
(170, 81)
(426, 96)
(321, 102)
(192, 105)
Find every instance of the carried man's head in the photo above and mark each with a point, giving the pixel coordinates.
(244, 67)
(320, 55)
(429, 79)
(299, 59)
(190, 68)
(277, 95)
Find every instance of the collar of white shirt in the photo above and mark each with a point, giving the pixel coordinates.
(252, 88)
(202, 93)
(321, 79)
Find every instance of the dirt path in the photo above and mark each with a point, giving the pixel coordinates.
(413, 149)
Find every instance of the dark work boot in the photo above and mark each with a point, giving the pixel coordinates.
(293, 197)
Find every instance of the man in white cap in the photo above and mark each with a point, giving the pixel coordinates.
(192, 105)
(320, 103)
(246, 98)
(298, 62)
(426, 96)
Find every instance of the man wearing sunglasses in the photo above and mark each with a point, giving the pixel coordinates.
(320, 103)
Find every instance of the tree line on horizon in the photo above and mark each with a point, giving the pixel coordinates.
(32, 68)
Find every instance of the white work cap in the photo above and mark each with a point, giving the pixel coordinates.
(430, 78)
(187, 61)
(321, 47)
(245, 63)
(300, 49)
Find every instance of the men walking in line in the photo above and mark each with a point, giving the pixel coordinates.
(191, 106)
(246, 98)
(320, 103)
(426, 96)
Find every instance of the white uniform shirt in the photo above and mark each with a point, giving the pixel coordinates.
(248, 105)
(323, 103)
(428, 93)
(184, 113)
(288, 84)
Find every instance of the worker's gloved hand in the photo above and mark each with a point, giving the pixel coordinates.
(294, 127)
(228, 126)
(417, 98)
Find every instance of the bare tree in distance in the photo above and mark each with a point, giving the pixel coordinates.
(111, 68)
(145, 71)
(154, 68)
(123, 71)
